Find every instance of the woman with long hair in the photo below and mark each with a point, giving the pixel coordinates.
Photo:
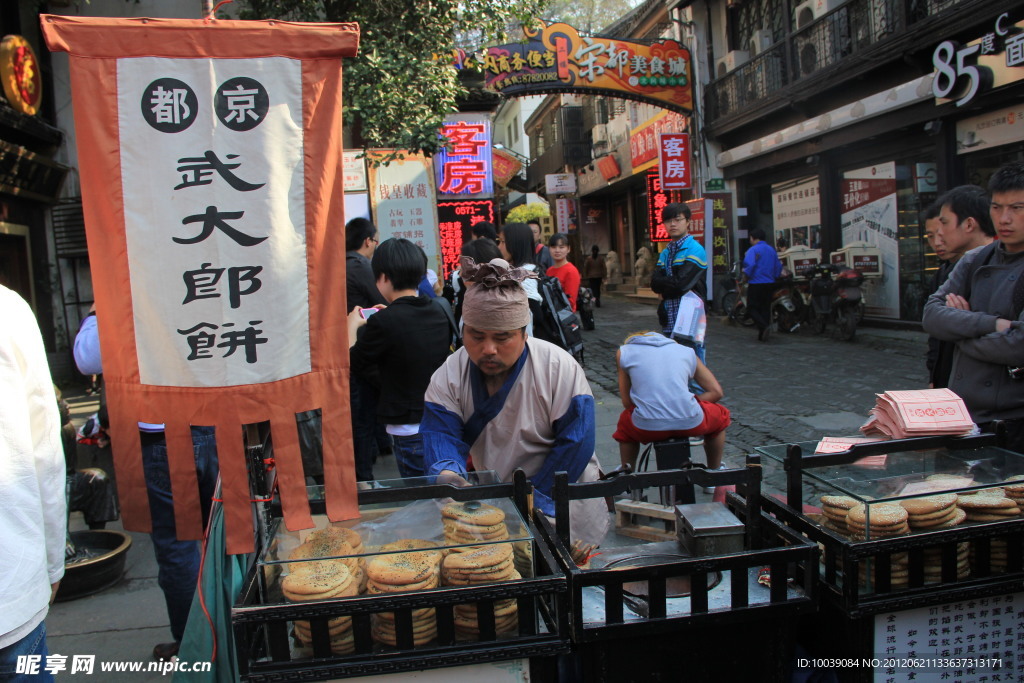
(516, 244)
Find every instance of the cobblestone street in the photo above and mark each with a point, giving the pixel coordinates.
(794, 387)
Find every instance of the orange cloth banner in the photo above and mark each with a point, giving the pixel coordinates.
(210, 159)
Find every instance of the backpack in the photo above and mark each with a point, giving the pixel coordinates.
(585, 308)
(562, 325)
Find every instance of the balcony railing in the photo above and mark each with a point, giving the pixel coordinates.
(855, 27)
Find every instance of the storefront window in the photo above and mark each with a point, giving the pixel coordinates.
(881, 206)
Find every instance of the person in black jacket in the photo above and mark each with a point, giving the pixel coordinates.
(403, 344)
(368, 440)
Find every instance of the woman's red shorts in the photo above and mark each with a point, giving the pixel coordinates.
(716, 419)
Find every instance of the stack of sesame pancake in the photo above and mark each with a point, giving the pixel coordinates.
(322, 580)
(484, 564)
(412, 570)
(1015, 492)
(472, 522)
(933, 512)
(933, 563)
(991, 505)
(835, 509)
(337, 542)
(877, 520)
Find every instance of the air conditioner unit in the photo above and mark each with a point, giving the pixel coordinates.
(599, 134)
(730, 61)
(816, 46)
(760, 41)
(812, 10)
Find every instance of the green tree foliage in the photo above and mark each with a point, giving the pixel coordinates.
(397, 90)
(527, 212)
(588, 16)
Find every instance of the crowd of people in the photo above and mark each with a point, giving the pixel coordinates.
(443, 378)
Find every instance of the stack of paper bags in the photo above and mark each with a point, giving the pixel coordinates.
(923, 412)
(840, 444)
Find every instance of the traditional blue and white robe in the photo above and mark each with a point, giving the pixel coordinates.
(541, 420)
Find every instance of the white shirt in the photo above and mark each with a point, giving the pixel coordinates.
(33, 514)
(90, 361)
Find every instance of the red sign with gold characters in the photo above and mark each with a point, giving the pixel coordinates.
(19, 70)
(556, 58)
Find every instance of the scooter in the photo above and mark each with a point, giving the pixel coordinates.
(836, 297)
(787, 307)
(734, 302)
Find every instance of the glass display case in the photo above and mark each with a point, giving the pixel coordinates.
(425, 571)
(910, 519)
(928, 485)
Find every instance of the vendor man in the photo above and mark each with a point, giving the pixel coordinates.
(510, 401)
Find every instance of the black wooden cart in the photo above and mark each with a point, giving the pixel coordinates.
(735, 630)
(846, 625)
(261, 631)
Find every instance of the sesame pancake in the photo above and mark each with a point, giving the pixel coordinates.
(400, 569)
(928, 505)
(983, 501)
(323, 581)
(882, 515)
(840, 502)
(474, 513)
(479, 558)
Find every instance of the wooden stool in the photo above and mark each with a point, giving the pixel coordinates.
(668, 455)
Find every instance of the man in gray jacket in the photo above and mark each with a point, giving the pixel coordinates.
(980, 309)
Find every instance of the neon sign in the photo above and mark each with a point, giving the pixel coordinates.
(454, 221)
(464, 165)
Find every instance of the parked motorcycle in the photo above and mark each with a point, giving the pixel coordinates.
(787, 307)
(734, 302)
(836, 297)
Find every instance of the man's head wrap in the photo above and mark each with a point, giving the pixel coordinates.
(497, 300)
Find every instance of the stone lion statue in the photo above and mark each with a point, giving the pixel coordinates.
(644, 267)
(611, 262)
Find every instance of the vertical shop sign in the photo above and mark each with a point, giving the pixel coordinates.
(721, 222)
(454, 219)
(212, 189)
(354, 169)
(463, 166)
(402, 198)
(674, 162)
(565, 210)
(658, 199)
(869, 215)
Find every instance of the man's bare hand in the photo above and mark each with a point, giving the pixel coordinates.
(1002, 325)
(453, 478)
(958, 302)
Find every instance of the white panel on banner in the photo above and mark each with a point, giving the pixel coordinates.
(212, 175)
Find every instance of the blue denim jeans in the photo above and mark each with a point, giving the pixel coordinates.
(409, 455)
(177, 561)
(32, 644)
